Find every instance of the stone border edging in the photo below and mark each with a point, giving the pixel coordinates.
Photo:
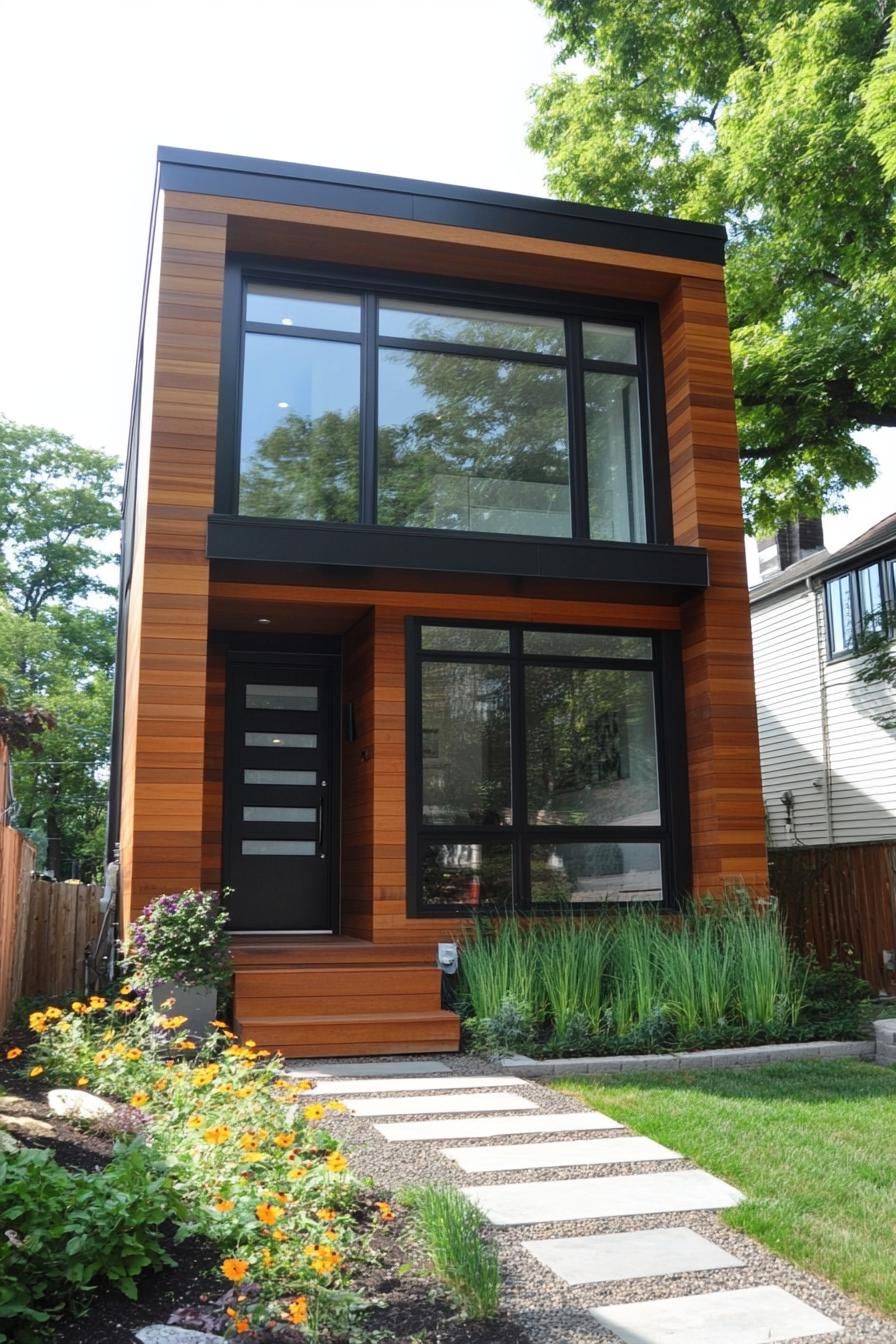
(885, 1040)
(747, 1056)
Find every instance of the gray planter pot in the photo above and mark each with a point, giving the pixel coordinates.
(197, 1003)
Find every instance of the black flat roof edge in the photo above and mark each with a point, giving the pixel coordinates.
(202, 173)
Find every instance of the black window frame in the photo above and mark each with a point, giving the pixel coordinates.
(369, 286)
(673, 832)
(886, 567)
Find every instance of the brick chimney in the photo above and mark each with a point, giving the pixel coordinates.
(791, 543)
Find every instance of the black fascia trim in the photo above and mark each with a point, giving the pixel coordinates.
(358, 546)
(208, 174)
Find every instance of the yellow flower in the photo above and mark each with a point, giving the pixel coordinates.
(279, 1234)
(250, 1045)
(101, 1056)
(195, 1122)
(386, 1211)
(304, 1085)
(37, 1022)
(336, 1106)
(337, 1162)
(297, 1311)
(63, 1027)
(172, 1023)
(314, 1112)
(216, 1023)
(168, 1003)
(82, 1081)
(242, 1092)
(217, 1134)
(297, 1173)
(262, 1054)
(234, 1269)
(266, 1258)
(134, 1054)
(285, 1140)
(326, 1215)
(224, 1087)
(256, 1157)
(248, 1141)
(79, 1007)
(36, 1071)
(109, 1034)
(139, 1099)
(51, 1014)
(125, 989)
(13, 1053)
(268, 1213)
(223, 1205)
(97, 1002)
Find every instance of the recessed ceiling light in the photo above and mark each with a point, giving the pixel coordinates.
(282, 405)
(264, 620)
(286, 321)
(276, 741)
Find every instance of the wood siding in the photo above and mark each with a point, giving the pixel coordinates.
(727, 824)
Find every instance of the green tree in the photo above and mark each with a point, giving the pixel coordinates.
(778, 119)
(57, 514)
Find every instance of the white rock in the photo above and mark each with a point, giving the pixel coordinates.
(83, 1105)
(175, 1334)
(26, 1124)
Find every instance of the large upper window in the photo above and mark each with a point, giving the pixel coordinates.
(536, 776)
(359, 407)
(862, 601)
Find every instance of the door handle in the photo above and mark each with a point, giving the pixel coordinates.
(321, 807)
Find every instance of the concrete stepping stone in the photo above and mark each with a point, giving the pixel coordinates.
(742, 1316)
(629, 1255)
(602, 1197)
(354, 1086)
(451, 1102)
(495, 1126)
(393, 1069)
(563, 1153)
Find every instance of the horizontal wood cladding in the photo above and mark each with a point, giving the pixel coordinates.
(172, 784)
(727, 819)
(314, 234)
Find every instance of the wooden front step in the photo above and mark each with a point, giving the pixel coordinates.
(382, 1033)
(325, 996)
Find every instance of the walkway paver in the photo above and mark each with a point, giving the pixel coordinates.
(375, 1069)
(602, 1197)
(563, 1153)
(496, 1126)
(616, 1256)
(744, 1316)
(357, 1086)
(450, 1102)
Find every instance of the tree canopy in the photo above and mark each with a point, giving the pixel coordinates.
(776, 118)
(57, 637)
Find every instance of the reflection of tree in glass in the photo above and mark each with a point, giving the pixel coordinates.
(305, 468)
(466, 709)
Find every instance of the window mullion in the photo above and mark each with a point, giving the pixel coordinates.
(578, 455)
(519, 805)
(367, 472)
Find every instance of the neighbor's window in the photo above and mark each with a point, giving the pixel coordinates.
(537, 775)
(862, 600)
(357, 407)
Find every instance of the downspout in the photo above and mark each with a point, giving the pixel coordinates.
(813, 590)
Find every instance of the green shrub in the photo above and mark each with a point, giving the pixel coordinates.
(510, 1031)
(181, 938)
(451, 1228)
(68, 1231)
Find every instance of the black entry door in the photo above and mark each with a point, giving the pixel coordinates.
(280, 795)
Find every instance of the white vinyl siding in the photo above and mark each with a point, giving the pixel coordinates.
(818, 734)
(788, 698)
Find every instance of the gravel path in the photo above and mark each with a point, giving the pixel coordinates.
(550, 1310)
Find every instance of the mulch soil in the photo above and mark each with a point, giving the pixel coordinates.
(405, 1306)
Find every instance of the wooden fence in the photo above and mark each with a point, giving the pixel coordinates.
(841, 896)
(63, 918)
(17, 857)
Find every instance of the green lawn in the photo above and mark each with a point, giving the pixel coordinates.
(812, 1146)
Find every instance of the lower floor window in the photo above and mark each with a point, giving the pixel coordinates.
(539, 775)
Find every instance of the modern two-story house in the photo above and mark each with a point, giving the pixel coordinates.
(434, 599)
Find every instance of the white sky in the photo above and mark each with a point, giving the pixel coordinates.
(419, 88)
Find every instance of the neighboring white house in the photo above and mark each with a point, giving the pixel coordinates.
(828, 766)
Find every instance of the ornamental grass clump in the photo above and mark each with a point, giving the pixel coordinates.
(452, 1230)
(181, 939)
(241, 1144)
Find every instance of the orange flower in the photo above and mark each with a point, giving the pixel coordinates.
(385, 1211)
(38, 1069)
(297, 1311)
(134, 1054)
(101, 1056)
(78, 1007)
(52, 1014)
(139, 1099)
(241, 1324)
(268, 1214)
(13, 1053)
(217, 1134)
(285, 1140)
(250, 1045)
(279, 1234)
(297, 1173)
(326, 1215)
(314, 1112)
(160, 1084)
(248, 1141)
(234, 1270)
(215, 1022)
(195, 1122)
(82, 1081)
(168, 1003)
(186, 1045)
(337, 1162)
(223, 1205)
